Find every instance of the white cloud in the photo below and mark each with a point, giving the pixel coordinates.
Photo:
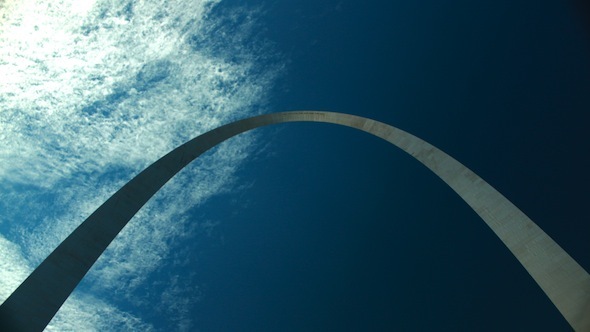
(13, 268)
(82, 312)
(92, 93)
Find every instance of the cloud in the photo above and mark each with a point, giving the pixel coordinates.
(82, 312)
(92, 93)
(13, 268)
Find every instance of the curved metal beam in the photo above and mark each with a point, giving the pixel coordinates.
(40, 296)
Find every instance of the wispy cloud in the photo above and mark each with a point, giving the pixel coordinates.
(92, 93)
(13, 268)
(82, 312)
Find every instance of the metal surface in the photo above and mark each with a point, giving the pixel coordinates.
(39, 297)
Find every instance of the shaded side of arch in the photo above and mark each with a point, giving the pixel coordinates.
(34, 303)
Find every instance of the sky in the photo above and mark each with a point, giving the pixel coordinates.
(299, 226)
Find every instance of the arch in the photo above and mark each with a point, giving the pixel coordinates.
(34, 303)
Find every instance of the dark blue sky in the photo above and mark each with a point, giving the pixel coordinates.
(336, 230)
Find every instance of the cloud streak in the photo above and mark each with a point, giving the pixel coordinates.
(93, 93)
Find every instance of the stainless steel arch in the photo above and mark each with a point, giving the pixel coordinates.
(40, 296)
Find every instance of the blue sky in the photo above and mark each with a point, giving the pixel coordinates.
(301, 226)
